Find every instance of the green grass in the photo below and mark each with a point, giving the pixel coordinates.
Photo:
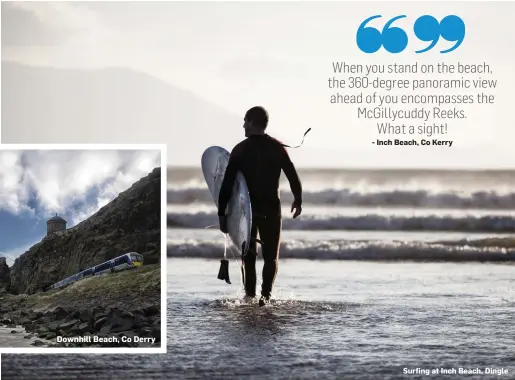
(130, 288)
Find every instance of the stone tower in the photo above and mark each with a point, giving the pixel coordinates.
(54, 224)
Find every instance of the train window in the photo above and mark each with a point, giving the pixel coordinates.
(121, 260)
(91, 271)
(103, 267)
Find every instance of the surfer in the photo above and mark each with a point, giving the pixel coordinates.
(260, 158)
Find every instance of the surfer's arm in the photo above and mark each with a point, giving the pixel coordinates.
(292, 176)
(227, 184)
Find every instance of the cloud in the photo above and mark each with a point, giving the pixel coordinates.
(26, 23)
(14, 189)
(12, 254)
(74, 183)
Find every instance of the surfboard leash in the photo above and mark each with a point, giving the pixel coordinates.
(227, 244)
(235, 259)
(302, 142)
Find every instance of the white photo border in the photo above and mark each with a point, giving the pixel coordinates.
(110, 350)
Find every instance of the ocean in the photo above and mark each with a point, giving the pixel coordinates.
(377, 279)
(352, 214)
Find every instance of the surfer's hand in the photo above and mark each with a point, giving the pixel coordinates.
(297, 207)
(223, 224)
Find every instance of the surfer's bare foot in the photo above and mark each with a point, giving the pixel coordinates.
(264, 301)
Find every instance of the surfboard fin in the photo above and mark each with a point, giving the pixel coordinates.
(223, 273)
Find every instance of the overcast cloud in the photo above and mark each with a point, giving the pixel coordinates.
(75, 183)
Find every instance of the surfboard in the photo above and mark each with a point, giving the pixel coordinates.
(239, 211)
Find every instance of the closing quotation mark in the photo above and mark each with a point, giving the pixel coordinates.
(395, 40)
(451, 28)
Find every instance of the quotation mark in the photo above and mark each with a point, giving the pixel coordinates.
(395, 40)
(451, 28)
(370, 39)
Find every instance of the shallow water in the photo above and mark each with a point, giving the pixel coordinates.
(330, 320)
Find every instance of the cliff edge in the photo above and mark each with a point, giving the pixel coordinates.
(5, 276)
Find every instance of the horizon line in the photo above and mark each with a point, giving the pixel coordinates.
(370, 169)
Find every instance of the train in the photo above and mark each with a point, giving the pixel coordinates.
(125, 261)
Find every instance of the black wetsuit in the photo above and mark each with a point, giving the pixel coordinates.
(261, 158)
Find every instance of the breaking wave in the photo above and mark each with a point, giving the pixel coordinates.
(353, 250)
(392, 198)
(489, 223)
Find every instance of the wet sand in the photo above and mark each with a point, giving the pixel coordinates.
(17, 339)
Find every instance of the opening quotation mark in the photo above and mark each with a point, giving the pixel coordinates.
(370, 40)
(395, 40)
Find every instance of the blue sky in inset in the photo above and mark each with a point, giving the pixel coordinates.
(36, 185)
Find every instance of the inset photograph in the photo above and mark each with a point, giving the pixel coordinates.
(81, 261)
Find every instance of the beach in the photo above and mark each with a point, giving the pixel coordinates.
(18, 337)
(90, 312)
(415, 288)
(331, 319)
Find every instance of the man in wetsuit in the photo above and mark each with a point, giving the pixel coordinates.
(260, 158)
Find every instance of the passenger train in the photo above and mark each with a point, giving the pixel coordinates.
(126, 261)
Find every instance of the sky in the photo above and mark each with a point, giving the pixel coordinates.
(37, 184)
(236, 55)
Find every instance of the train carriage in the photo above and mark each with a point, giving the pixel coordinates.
(125, 261)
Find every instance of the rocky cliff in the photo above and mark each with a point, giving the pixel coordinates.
(131, 222)
(5, 277)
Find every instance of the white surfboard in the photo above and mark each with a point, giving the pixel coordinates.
(239, 211)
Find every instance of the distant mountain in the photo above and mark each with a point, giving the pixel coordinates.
(46, 105)
(116, 105)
